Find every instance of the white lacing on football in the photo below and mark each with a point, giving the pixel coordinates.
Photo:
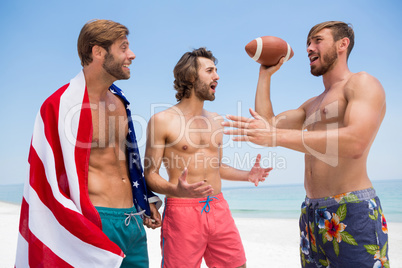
(259, 49)
(288, 53)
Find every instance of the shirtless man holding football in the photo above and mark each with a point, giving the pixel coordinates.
(342, 223)
(187, 138)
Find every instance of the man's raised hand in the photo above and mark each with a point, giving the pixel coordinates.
(256, 130)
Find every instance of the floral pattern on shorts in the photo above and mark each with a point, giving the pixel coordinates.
(349, 231)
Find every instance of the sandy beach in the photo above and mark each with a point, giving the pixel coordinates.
(268, 242)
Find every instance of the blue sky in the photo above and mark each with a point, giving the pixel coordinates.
(39, 38)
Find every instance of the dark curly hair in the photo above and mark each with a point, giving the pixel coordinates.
(186, 71)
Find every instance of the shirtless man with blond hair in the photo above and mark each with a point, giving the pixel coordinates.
(187, 139)
(342, 224)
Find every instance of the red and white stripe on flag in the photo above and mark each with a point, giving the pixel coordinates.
(59, 227)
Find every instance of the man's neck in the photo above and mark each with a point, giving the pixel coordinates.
(191, 106)
(97, 82)
(339, 73)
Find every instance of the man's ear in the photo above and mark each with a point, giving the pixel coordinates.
(343, 44)
(97, 52)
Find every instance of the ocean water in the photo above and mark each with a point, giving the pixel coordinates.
(276, 201)
(284, 201)
(11, 193)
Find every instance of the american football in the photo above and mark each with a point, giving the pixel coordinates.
(268, 50)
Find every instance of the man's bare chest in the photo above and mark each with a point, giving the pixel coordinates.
(109, 124)
(327, 109)
(195, 134)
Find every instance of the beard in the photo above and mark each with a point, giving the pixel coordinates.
(201, 91)
(114, 68)
(328, 62)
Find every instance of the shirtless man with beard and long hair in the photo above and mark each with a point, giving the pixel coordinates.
(187, 138)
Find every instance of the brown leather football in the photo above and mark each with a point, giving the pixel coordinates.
(268, 50)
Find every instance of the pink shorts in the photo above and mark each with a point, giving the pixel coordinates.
(200, 227)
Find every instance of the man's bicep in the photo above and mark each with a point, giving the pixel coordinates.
(292, 119)
(155, 145)
(365, 109)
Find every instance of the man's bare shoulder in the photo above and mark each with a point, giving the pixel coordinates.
(364, 83)
(361, 77)
(213, 116)
(167, 115)
(164, 123)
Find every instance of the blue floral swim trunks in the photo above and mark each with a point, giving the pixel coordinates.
(346, 230)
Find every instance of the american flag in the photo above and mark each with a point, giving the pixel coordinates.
(141, 195)
(59, 226)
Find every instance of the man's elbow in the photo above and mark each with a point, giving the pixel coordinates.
(358, 149)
